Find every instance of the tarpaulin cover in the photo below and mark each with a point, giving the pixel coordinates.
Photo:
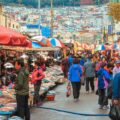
(10, 37)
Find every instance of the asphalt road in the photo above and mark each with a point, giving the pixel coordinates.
(86, 104)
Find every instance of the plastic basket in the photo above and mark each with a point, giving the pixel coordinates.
(50, 97)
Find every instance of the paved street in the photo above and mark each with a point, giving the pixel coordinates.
(86, 104)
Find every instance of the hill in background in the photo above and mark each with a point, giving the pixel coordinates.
(46, 3)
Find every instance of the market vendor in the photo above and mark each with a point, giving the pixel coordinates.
(22, 91)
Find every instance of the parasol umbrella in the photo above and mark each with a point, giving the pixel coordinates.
(56, 43)
(8, 65)
(38, 38)
(36, 45)
(45, 42)
(100, 47)
(24, 56)
(116, 46)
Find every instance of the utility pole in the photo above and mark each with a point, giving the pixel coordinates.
(39, 6)
(52, 18)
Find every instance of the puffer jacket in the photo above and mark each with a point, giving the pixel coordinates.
(37, 75)
(116, 87)
(75, 73)
(103, 78)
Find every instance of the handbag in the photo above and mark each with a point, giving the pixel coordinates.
(114, 113)
(68, 93)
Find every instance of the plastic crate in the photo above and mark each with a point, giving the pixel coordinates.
(50, 97)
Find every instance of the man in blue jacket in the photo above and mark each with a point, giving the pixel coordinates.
(75, 73)
(116, 89)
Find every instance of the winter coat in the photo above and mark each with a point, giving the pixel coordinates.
(37, 75)
(103, 78)
(22, 82)
(75, 73)
(89, 67)
(70, 61)
(116, 87)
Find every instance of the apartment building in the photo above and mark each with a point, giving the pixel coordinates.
(7, 21)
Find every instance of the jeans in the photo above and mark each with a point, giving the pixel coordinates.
(22, 106)
(36, 90)
(76, 89)
(90, 80)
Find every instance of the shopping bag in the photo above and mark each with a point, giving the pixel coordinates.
(82, 80)
(114, 113)
(68, 93)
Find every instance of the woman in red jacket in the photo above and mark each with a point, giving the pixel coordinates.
(37, 76)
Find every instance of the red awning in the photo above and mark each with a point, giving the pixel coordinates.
(10, 37)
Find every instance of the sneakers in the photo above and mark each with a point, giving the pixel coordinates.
(105, 107)
(76, 99)
(100, 107)
(87, 92)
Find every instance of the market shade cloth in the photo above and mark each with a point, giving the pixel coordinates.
(38, 38)
(116, 46)
(43, 41)
(36, 45)
(56, 43)
(109, 47)
(100, 47)
(10, 37)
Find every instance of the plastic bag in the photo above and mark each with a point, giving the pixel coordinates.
(15, 118)
(68, 93)
(114, 113)
(82, 81)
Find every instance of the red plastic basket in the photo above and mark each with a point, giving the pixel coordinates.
(50, 97)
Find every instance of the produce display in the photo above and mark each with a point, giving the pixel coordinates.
(8, 105)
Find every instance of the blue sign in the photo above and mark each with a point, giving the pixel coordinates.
(46, 31)
(110, 29)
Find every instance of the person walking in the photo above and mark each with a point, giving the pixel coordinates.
(74, 75)
(37, 76)
(116, 90)
(103, 83)
(89, 69)
(22, 91)
(116, 69)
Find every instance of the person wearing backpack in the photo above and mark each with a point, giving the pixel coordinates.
(22, 91)
(37, 76)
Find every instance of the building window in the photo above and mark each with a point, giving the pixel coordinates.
(9, 25)
(17, 27)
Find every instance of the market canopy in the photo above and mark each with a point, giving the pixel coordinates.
(10, 37)
(56, 43)
(36, 45)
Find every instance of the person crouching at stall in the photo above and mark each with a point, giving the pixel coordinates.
(22, 91)
(37, 76)
(74, 75)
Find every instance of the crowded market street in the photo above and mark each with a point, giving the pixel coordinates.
(59, 59)
(86, 104)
